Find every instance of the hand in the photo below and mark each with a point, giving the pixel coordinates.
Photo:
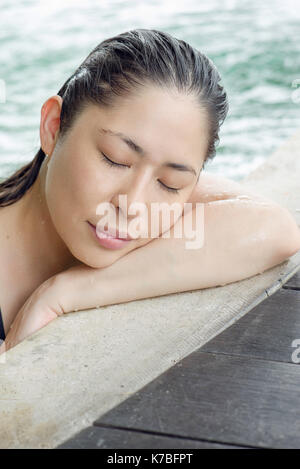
(40, 308)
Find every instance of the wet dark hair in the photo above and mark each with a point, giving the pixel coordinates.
(123, 64)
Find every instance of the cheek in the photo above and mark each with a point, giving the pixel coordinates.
(62, 185)
(68, 192)
(74, 184)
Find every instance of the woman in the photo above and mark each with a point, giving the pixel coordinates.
(139, 118)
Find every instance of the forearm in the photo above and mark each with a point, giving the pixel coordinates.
(241, 239)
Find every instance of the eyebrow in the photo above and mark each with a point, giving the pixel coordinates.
(141, 152)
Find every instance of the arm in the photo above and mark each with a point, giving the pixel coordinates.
(212, 187)
(242, 238)
(40, 308)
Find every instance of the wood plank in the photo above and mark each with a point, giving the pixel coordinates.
(267, 331)
(112, 438)
(229, 399)
(293, 282)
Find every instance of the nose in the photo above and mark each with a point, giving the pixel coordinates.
(131, 201)
(135, 191)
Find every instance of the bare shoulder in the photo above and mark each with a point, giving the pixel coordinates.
(212, 187)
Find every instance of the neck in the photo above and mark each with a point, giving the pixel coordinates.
(44, 253)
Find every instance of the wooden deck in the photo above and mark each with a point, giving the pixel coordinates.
(240, 390)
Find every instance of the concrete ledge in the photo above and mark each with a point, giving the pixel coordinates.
(66, 375)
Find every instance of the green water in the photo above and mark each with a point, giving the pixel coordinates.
(254, 44)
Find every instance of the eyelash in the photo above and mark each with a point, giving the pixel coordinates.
(118, 165)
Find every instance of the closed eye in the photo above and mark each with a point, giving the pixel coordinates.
(119, 165)
(112, 163)
(167, 188)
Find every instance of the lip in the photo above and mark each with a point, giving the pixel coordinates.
(126, 238)
(110, 242)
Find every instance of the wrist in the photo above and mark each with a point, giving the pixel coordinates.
(76, 288)
(50, 295)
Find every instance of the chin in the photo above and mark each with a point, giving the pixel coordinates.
(91, 261)
(99, 265)
(96, 261)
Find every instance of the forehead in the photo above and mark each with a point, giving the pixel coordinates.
(165, 123)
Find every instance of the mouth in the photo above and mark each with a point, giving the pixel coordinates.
(113, 234)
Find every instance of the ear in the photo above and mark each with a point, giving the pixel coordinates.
(50, 122)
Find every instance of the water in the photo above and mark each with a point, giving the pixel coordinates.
(254, 44)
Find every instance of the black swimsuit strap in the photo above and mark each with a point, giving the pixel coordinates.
(2, 333)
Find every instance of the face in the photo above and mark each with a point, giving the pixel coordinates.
(149, 149)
